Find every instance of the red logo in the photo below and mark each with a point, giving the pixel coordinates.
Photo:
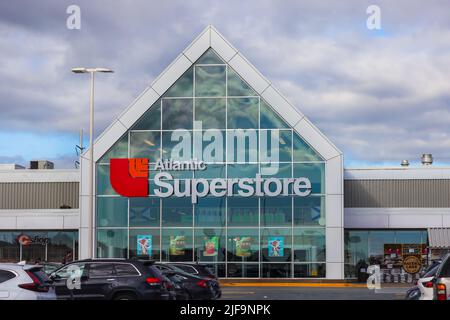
(129, 177)
(24, 240)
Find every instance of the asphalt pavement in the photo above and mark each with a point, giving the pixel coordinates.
(310, 293)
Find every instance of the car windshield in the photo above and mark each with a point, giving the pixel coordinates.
(431, 272)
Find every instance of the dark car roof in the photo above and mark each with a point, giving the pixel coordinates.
(114, 260)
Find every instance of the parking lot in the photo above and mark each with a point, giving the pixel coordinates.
(310, 293)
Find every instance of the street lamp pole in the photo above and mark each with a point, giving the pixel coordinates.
(92, 71)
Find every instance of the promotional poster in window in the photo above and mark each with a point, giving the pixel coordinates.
(276, 246)
(144, 245)
(177, 245)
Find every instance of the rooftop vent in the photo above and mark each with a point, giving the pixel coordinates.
(404, 163)
(41, 164)
(427, 159)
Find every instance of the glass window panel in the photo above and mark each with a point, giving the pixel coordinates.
(276, 270)
(424, 238)
(9, 248)
(310, 270)
(243, 211)
(183, 87)
(177, 145)
(356, 246)
(315, 172)
(276, 244)
(177, 245)
(177, 212)
(103, 184)
(350, 271)
(209, 245)
(210, 81)
(281, 148)
(177, 114)
(276, 170)
(145, 145)
(118, 150)
(276, 211)
(243, 113)
(237, 86)
(377, 240)
(210, 57)
(243, 244)
(242, 170)
(112, 212)
(303, 151)
(151, 119)
(209, 145)
(243, 270)
(144, 212)
(101, 270)
(147, 240)
(34, 252)
(211, 112)
(408, 237)
(309, 211)
(242, 145)
(270, 119)
(309, 245)
(210, 212)
(64, 272)
(212, 171)
(61, 246)
(112, 243)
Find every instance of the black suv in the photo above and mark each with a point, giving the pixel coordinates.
(111, 279)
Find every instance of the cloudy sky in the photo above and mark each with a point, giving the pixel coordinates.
(380, 95)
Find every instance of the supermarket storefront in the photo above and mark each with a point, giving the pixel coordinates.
(216, 167)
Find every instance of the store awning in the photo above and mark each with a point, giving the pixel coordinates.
(439, 238)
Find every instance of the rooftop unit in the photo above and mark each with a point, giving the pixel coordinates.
(41, 164)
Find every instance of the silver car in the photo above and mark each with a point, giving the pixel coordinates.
(442, 283)
(24, 282)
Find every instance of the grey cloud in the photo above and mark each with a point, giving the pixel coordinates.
(379, 97)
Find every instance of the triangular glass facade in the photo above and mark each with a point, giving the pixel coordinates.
(211, 102)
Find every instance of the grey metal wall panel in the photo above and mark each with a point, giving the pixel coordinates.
(411, 193)
(439, 238)
(38, 195)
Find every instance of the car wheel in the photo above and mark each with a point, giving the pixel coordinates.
(124, 296)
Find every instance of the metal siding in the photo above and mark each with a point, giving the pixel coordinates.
(38, 195)
(410, 193)
(439, 238)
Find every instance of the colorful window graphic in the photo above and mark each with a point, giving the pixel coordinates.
(243, 246)
(211, 246)
(276, 246)
(144, 245)
(177, 245)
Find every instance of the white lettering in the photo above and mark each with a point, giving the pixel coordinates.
(163, 184)
(246, 184)
(302, 183)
